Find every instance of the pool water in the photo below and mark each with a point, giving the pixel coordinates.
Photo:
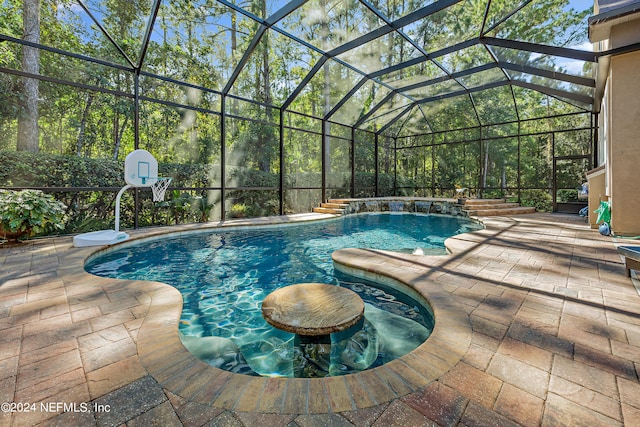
(224, 275)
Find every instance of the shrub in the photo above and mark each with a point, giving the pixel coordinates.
(31, 212)
(567, 195)
(493, 194)
(540, 199)
(238, 211)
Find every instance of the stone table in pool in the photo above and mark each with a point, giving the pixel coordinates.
(313, 309)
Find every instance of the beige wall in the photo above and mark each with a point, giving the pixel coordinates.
(597, 193)
(623, 162)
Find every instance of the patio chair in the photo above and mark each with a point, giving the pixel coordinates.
(631, 256)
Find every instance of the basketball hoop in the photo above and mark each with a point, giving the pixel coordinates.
(159, 187)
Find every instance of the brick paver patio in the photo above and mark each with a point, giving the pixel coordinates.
(536, 324)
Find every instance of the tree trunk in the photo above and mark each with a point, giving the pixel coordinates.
(387, 158)
(327, 126)
(119, 134)
(485, 169)
(264, 162)
(83, 123)
(326, 93)
(234, 53)
(28, 119)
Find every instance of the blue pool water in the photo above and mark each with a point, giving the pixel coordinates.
(224, 275)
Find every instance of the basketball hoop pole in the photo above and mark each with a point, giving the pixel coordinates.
(139, 167)
(120, 193)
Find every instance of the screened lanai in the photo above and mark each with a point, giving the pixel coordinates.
(271, 107)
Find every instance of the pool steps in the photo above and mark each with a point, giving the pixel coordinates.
(332, 207)
(494, 207)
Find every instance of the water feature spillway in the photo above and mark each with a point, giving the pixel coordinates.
(395, 206)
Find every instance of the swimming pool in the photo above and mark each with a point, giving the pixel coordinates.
(224, 275)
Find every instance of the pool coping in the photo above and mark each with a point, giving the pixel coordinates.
(165, 358)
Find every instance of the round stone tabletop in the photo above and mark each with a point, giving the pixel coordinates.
(312, 309)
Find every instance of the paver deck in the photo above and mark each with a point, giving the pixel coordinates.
(536, 324)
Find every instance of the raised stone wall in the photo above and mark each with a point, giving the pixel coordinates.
(404, 204)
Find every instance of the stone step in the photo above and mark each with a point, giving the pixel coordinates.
(497, 212)
(474, 202)
(333, 205)
(479, 206)
(340, 201)
(332, 211)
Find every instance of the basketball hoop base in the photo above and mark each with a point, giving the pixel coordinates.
(99, 238)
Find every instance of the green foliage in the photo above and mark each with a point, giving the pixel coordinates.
(254, 178)
(540, 199)
(567, 196)
(22, 169)
(30, 211)
(198, 45)
(493, 194)
(201, 44)
(202, 208)
(238, 210)
(94, 209)
(179, 205)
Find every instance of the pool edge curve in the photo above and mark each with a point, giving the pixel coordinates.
(165, 358)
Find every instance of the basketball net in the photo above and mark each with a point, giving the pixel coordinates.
(159, 187)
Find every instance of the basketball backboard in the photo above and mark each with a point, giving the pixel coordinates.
(140, 169)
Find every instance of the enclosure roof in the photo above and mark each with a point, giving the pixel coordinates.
(401, 68)
(611, 13)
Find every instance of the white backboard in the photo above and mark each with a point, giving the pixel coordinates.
(140, 169)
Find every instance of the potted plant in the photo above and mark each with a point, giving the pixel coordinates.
(29, 212)
(238, 210)
(461, 194)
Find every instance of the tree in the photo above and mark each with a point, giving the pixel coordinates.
(28, 118)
